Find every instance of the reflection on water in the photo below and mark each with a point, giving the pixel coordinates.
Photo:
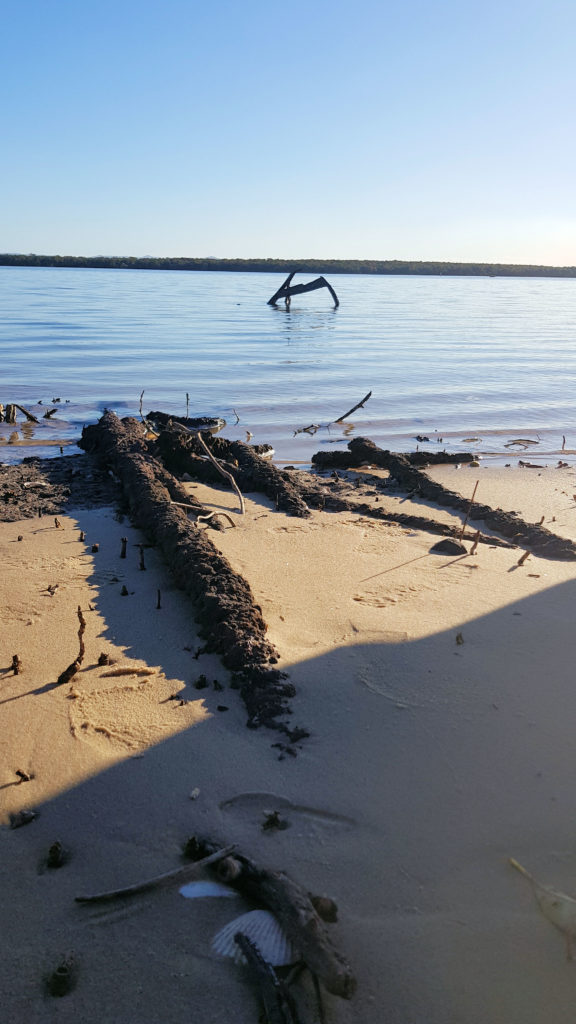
(444, 357)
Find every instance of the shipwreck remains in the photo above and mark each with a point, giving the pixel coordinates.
(230, 620)
(403, 468)
(287, 290)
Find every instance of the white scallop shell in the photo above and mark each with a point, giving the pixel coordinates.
(263, 929)
(193, 890)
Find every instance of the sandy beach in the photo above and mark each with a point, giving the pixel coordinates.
(438, 694)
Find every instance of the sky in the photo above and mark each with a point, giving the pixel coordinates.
(334, 129)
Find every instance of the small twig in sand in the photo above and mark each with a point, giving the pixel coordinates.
(124, 541)
(159, 601)
(127, 671)
(179, 875)
(141, 410)
(142, 563)
(223, 471)
(523, 558)
(16, 665)
(72, 669)
(237, 416)
(469, 509)
(476, 543)
(184, 504)
(81, 630)
(353, 409)
(210, 515)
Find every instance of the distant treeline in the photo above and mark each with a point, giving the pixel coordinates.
(277, 266)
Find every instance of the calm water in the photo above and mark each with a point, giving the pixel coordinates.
(492, 358)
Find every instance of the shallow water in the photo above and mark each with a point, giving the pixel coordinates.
(449, 358)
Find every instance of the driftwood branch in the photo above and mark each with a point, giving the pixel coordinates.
(467, 517)
(295, 912)
(211, 515)
(353, 409)
(29, 416)
(223, 471)
(184, 874)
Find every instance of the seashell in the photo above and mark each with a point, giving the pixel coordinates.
(195, 890)
(263, 930)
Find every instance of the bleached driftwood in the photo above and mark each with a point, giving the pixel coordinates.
(183, 874)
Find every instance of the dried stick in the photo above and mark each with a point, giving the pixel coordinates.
(81, 630)
(72, 669)
(127, 670)
(185, 504)
(469, 509)
(210, 515)
(223, 471)
(350, 411)
(179, 875)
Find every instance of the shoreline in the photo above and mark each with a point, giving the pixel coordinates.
(430, 760)
(494, 447)
(274, 265)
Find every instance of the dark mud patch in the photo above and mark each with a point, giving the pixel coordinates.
(37, 487)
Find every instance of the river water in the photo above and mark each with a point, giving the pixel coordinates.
(445, 358)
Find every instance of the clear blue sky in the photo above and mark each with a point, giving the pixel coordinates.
(382, 129)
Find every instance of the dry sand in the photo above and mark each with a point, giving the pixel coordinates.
(439, 693)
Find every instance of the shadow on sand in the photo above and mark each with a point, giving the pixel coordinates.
(429, 764)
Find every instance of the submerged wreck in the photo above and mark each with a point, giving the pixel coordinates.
(287, 290)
